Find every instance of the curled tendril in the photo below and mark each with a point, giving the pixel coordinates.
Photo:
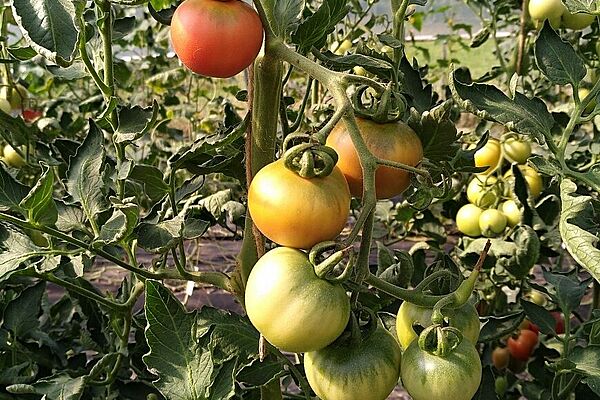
(307, 157)
(324, 268)
(390, 106)
(439, 340)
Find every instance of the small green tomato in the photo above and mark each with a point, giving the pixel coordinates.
(492, 222)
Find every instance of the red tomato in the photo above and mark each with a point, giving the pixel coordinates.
(527, 324)
(560, 322)
(30, 115)
(522, 347)
(217, 38)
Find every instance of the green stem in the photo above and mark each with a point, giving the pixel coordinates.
(416, 297)
(297, 374)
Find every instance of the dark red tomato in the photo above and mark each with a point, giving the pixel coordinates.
(217, 38)
(522, 347)
(527, 324)
(560, 322)
(500, 357)
(30, 115)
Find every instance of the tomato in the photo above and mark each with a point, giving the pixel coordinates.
(522, 347)
(483, 191)
(15, 95)
(367, 370)
(512, 212)
(217, 38)
(536, 297)
(559, 328)
(291, 306)
(467, 220)
(426, 376)
(393, 141)
(492, 222)
(5, 106)
(527, 324)
(12, 158)
(298, 212)
(31, 115)
(577, 21)
(464, 319)
(532, 177)
(516, 150)
(500, 358)
(583, 93)
(501, 385)
(551, 10)
(489, 156)
(342, 48)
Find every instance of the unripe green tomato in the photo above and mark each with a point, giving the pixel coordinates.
(343, 47)
(489, 156)
(38, 238)
(12, 158)
(537, 297)
(387, 50)
(577, 21)
(512, 212)
(583, 93)
(492, 222)
(15, 95)
(532, 177)
(516, 150)
(501, 385)
(467, 220)
(358, 70)
(551, 10)
(5, 105)
(483, 191)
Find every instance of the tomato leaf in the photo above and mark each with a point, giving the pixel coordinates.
(49, 27)
(539, 316)
(39, 206)
(21, 314)
(587, 6)
(313, 31)
(57, 387)
(12, 192)
(120, 225)
(436, 131)
(579, 227)
(15, 248)
(527, 251)
(587, 362)
(152, 179)
(286, 14)
(135, 122)
(160, 237)
(568, 290)
(496, 327)
(557, 59)
(420, 93)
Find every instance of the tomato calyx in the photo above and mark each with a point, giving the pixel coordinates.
(439, 340)
(324, 269)
(389, 107)
(308, 158)
(356, 332)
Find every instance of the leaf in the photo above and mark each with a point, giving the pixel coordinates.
(70, 217)
(11, 191)
(21, 314)
(497, 327)
(521, 114)
(84, 177)
(568, 290)
(437, 132)
(160, 237)
(539, 316)
(586, 360)
(557, 59)
(527, 251)
(579, 228)
(587, 6)
(420, 92)
(39, 206)
(135, 122)
(120, 225)
(56, 387)
(286, 16)
(152, 179)
(49, 27)
(313, 31)
(15, 248)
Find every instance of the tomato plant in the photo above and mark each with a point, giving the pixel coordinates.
(522, 346)
(489, 156)
(516, 150)
(215, 37)
(393, 141)
(483, 191)
(467, 220)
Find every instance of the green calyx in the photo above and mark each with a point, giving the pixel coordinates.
(324, 269)
(439, 340)
(387, 107)
(307, 157)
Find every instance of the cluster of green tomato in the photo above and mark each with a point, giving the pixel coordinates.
(492, 205)
(11, 102)
(557, 14)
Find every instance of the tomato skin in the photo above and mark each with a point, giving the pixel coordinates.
(291, 306)
(532, 177)
(559, 328)
(464, 319)
(489, 156)
(512, 212)
(298, 212)
(551, 10)
(14, 95)
(12, 158)
(428, 377)
(467, 220)
(500, 358)
(217, 38)
(368, 370)
(522, 347)
(492, 222)
(516, 150)
(577, 21)
(393, 141)
(537, 297)
(583, 93)
(5, 106)
(482, 191)
(31, 115)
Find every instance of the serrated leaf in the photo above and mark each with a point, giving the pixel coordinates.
(436, 131)
(39, 206)
(49, 27)
(21, 314)
(579, 228)
(120, 225)
(587, 6)
(70, 217)
(160, 237)
(286, 16)
(15, 248)
(568, 290)
(56, 387)
(420, 92)
(521, 114)
(152, 179)
(586, 360)
(135, 122)
(557, 59)
(11, 191)
(539, 316)
(84, 177)
(313, 31)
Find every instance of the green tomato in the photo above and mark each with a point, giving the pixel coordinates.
(501, 385)
(358, 70)
(532, 177)
(551, 10)
(15, 95)
(536, 297)
(291, 306)
(12, 158)
(467, 220)
(5, 106)
(483, 191)
(367, 370)
(489, 156)
(577, 21)
(464, 319)
(512, 212)
(492, 222)
(516, 150)
(426, 376)
(342, 48)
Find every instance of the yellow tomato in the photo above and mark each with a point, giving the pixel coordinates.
(489, 156)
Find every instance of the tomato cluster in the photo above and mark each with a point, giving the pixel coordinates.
(492, 205)
(557, 14)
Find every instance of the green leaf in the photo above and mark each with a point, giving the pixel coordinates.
(70, 217)
(568, 290)
(84, 177)
(419, 91)
(49, 27)
(557, 59)
(38, 206)
(120, 225)
(11, 191)
(160, 237)
(152, 179)
(56, 387)
(497, 327)
(286, 15)
(135, 122)
(579, 228)
(21, 314)
(586, 360)
(437, 132)
(15, 248)
(313, 31)
(521, 114)
(587, 6)
(539, 316)
(527, 251)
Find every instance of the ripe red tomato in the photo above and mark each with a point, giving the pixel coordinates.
(217, 38)
(30, 115)
(559, 328)
(392, 141)
(527, 324)
(522, 347)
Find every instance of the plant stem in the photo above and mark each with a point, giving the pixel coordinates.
(413, 296)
